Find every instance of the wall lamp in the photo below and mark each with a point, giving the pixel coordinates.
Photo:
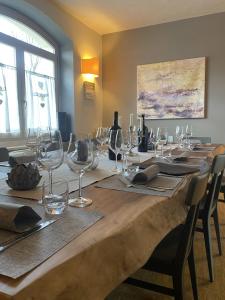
(90, 66)
(90, 70)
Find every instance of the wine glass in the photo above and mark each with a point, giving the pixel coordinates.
(114, 146)
(188, 132)
(32, 138)
(179, 135)
(153, 141)
(102, 136)
(124, 145)
(161, 137)
(49, 152)
(79, 158)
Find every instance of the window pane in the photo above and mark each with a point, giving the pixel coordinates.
(22, 32)
(9, 112)
(40, 92)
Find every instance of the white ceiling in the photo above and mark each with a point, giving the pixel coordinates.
(106, 16)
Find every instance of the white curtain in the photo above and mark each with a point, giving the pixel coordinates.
(40, 100)
(9, 112)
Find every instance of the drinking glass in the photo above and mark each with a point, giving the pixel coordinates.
(124, 147)
(179, 135)
(102, 136)
(79, 159)
(161, 137)
(32, 138)
(55, 202)
(135, 137)
(49, 152)
(114, 145)
(188, 132)
(153, 140)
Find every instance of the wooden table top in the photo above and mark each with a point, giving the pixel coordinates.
(103, 256)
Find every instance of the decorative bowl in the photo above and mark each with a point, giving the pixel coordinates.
(23, 177)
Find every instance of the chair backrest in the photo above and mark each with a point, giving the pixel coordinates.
(202, 139)
(196, 191)
(4, 154)
(217, 171)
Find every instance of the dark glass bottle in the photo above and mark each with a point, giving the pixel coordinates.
(143, 145)
(115, 126)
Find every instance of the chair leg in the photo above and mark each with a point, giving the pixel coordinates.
(178, 286)
(191, 264)
(217, 228)
(208, 248)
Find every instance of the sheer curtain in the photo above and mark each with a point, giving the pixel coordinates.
(40, 100)
(9, 112)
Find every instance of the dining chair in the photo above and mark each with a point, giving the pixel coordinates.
(222, 188)
(4, 154)
(171, 254)
(208, 210)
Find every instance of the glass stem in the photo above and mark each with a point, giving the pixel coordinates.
(162, 150)
(50, 181)
(116, 160)
(80, 184)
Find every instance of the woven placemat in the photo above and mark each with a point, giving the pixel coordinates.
(28, 253)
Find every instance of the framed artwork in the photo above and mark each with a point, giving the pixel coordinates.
(89, 90)
(172, 90)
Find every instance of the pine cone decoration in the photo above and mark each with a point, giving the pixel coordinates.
(23, 177)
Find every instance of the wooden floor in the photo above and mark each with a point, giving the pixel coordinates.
(207, 290)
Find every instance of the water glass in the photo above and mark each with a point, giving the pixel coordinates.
(55, 201)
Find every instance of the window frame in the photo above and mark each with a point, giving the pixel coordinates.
(22, 47)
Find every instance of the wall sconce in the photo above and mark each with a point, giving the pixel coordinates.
(90, 70)
(90, 66)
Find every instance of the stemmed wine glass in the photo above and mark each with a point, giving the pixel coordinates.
(32, 138)
(125, 146)
(179, 135)
(153, 141)
(102, 136)
(49, 152)
(188, 132)
(79, 158)
(161, 137)
(115, 145)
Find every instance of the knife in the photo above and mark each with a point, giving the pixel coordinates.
(23, 235)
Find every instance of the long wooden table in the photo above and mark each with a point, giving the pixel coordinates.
(104, 255)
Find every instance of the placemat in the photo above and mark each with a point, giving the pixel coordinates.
(27, 254)
(162, 182)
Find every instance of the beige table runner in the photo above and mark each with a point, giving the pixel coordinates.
(62, 173)
(28, 253)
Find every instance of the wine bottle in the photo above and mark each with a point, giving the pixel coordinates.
(115, 126)
(143, 139)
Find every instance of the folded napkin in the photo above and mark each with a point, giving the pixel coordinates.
(17, 218)
(21, 157)
(145, 175)
(182, 168)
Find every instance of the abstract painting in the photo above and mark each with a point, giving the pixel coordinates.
(172, 90)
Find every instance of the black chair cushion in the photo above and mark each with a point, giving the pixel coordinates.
(163, 257)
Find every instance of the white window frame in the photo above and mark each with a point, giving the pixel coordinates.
(22, 47)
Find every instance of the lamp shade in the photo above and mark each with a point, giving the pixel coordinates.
(90, 66)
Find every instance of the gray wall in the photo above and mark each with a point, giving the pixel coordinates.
(197, 37)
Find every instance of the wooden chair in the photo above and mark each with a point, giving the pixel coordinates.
(4, 154)
(208, 210)
(171, 254)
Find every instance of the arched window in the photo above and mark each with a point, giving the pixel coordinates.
(28, 69)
